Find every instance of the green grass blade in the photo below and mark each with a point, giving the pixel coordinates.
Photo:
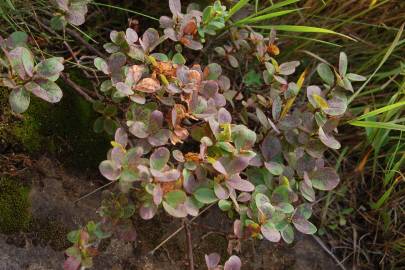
(125, 9)
(384, 197)
(277, 6)
(265, 17)
(301, 29)
(83, 33)
(386, 56)
(311, 39)
(235, 8)
(10, 4)
(381, 110)
(273, 7)
(371, 124)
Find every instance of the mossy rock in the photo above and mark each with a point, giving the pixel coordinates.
(63, 130)
(14, 206)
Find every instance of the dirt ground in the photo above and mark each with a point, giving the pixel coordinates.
(53, 193)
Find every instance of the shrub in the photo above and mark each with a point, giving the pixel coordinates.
(187, 136)
(184, 144)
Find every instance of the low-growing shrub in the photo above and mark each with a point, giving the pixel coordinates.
(188, 136)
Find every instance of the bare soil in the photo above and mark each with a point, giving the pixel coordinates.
(53, 193)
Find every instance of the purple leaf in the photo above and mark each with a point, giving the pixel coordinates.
(131, 36)
(121, 137)
(166, 176)
(244, 197)
(147, 211)
(179, 212)
(303, 225)
(328, 139)
(224, 117)
(237, 228)
(288, 68)
(233, 263)
(157, 194)
(324, 178)
(150, 39)
(270, 232)
(212, 260)
(71, 263)
(220, 191)
(124, 89)
(276, 108)
(236, 182)
(178, 155)
(159, 138)
(175, 7)
(191, 207)
(270, 147)
(139, 129)
(109, 170)
(166, 22)
(117, 156)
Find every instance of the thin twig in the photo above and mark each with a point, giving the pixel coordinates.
(94, 191)
(327, 250)
(189, 244)
(178, 230)
(77, 88)
(79, 38)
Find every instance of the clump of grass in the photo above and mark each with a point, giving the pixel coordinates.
(363, 221)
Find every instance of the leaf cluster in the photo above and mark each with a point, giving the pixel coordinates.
(20, 73)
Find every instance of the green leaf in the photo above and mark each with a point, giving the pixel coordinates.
(46, 90)
(326, 74)
(175, 197)
(18, 39)
(49, 67)
(288, 234)
(110, 126)
(101, 65)
(205, 195)
(304, 226)
(274, 168)
(98, 125)
(129, 176)
(252, 78)
(27, 61)
(355, 77)
(343, 64)
(324, 178)
(58, 23)
(286, 207)
(159, 158)
(110, 110)
(19, 100)
(106, 86)
(178, 59)
(224, 205)
(212, 71)
(73, 236)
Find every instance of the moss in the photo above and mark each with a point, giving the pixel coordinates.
(14, 206)
(50, 232)
(28, 131)
(63, 129)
